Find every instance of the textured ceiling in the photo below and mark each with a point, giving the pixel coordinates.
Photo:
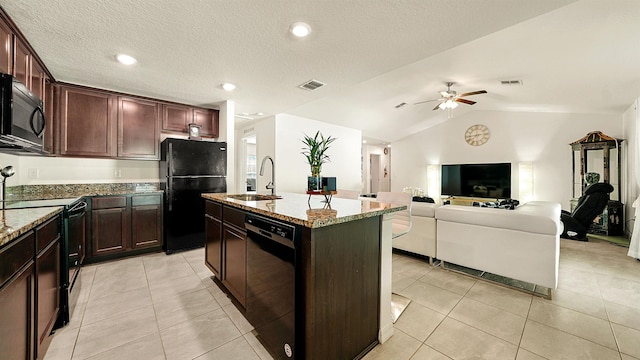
(572, 56)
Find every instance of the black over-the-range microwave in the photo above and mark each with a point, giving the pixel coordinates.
(22, 120)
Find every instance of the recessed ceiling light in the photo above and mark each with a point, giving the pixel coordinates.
(126, 59)
(300, 29)
(364, 141)
(228, 86)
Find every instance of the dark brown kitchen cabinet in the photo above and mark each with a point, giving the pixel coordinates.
(87, 122)
(175, 117)
(6, 48)
(30, 291)
(125, 225)
(146, 221)
(109, 225)
(234, 247)
(38, 79)
(208, 121)
(21, 62)
(213, 233)
(50, 130)
(17, 299)
(138, 128)
(47, 282)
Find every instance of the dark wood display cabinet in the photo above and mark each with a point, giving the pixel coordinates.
(125, 225)
(597, 157)
(30, 291)
(176, 118)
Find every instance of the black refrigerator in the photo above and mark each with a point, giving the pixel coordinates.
(189, 168)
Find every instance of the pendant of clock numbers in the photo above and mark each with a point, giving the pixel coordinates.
(477, 135)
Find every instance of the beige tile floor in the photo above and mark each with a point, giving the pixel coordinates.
(167, 307)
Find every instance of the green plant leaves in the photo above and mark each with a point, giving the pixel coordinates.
(316, 151)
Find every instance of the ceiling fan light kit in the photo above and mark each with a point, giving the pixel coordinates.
(449, 99)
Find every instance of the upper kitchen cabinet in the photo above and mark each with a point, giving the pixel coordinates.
(138, 128)
(6, 48)
(177, 117)
(208, 121)
(88, 124)
(22, 62)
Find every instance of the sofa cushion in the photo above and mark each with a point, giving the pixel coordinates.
(539, 217)
(423, 209)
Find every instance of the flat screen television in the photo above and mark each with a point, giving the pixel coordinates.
(477, 180)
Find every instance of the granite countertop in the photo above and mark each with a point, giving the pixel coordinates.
(311, 213)
(58, 191)
(16, 222)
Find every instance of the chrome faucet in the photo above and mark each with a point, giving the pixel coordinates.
(271, 185)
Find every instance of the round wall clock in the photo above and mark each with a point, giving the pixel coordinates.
(477, 135)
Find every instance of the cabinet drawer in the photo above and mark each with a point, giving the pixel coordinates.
(16, 256)
(139, 200)
(214, 209)
(109, 202)
(47, 233)
(234, 217)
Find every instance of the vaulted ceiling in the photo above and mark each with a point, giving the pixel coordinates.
(571, 56)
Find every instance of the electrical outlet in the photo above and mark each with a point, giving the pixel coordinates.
(117, 173)
(34, 173)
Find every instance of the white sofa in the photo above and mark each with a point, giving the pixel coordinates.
(421, 239)
(522, 244)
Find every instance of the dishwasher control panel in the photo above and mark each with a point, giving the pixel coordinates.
(270, 226)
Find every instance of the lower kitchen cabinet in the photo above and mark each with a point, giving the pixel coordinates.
(213, 231)
(146, 221)
(125, 225)
(226, 248)
(30, 292)
(47, 282)
(109, 225)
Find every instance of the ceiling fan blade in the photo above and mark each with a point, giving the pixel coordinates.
(437, 107)
(465, 101)
(422, 102)
(473, 93)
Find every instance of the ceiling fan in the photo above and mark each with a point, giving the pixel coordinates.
(450, 98)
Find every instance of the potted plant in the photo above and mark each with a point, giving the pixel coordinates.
(315, 151)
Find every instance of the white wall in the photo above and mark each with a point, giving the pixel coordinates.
(630, 192)
(385, 160)
(280, 137)
(292, 166)
(540, 138)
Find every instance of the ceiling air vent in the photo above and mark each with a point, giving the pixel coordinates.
(511, 82)
(401, 105)
(311, 85)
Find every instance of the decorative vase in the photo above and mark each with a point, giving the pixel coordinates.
(314, 183)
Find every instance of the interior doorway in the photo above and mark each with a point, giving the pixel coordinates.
(250, 164)
(374, 172)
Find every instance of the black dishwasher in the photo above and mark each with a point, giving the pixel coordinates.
(271, 277)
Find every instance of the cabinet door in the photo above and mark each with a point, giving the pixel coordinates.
(176, 117)
(213, 244)
(38, 79)
(146, 226)
(87, 122)
(16, 312)
(234, 275)
(138, 129)
(109, 231)
(6, 48)
(50, 129)
(22, 63)
(208, 121)
(48, 290)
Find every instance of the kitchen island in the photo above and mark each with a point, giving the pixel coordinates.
(314, 279)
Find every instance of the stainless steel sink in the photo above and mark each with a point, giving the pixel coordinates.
(253, 197)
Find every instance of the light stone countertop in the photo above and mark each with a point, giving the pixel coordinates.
(311, 213)
(16, 222)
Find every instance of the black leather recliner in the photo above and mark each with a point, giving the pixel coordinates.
(590, 205)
